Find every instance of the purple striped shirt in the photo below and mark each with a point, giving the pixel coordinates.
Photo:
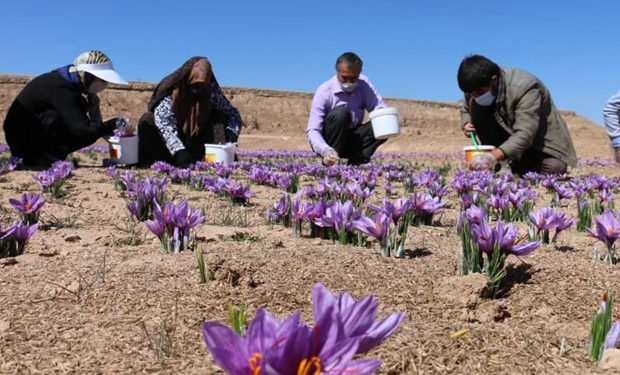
(328, 96)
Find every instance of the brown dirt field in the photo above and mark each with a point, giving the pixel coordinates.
(94, 298)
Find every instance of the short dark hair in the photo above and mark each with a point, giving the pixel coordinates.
(349, 59)
(475, 72)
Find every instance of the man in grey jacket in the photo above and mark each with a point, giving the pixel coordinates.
(611, 116)
(513, 111)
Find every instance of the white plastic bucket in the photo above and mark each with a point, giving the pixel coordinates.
(471, 151)
(385, 122)
(220, 153)
(124, 150)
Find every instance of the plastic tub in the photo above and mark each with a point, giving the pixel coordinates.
(220, 153)
(124, 150)
(471, 151)
(385, 123)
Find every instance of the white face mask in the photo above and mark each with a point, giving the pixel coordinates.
(485, 99)
(348, 87)
(97, 86)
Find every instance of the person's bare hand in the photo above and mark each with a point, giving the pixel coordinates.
(483, 162)
(330, 157)
(130, 128)
(469, 128)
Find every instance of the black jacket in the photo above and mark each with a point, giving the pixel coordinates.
(50, 115)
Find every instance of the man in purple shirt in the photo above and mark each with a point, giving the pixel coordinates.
(335, 128)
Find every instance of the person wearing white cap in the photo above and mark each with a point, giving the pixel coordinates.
(58, 112)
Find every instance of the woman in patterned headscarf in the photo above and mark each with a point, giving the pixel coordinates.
(187, 110)
(58, 112)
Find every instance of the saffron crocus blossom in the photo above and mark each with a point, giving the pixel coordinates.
(9, 165)
(162, 167)
(144, 195)
(563, 223)
(238, 192)
(497, 243)
(475, 215)
(260, 175)
(607, 231)
(358, 318)
(395, 210)
(499, 203)
(376, 228)
(172, 225)
(613, 336)
(502, 237)
(438, 190)
(28, 206)
(544, 219)
(561, 192)
(299, 212)
(52, 179)
(180, 175)
(339, 216)
(281, 211)
(291, 347)
(425, 207)
(13, 239)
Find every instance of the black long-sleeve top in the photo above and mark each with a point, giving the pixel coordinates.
(51, 115)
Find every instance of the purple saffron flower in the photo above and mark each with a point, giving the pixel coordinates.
(185, 218)
(613, 336)
(339, 216)
(280, 209)
(606, 196)
(394, 210)
(436, 189)
(502, 237)
(499, 202)
(607, 229)
(563, 222)
(134, 209)
(157, 227)
(358, 318)
(300, 210)
(376, 228)
(544, 218)
(180, 175)
(238, 192)
(28, 206)
(475, 214)
(45, 179)
(23, 232)
(162, 167)
(289, 346)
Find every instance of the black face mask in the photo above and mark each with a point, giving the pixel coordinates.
(196, 90)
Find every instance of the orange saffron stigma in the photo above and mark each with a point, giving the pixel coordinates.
(26, 206)
(310, 366)
(255, 362)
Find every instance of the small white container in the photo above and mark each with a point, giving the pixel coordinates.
(124, 150)
(385, 122)
(471, 151)
(220, 153)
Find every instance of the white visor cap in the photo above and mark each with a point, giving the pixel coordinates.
(105, 71)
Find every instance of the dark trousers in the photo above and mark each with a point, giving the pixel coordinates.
(537, 161)
(357, 145)
(152, 146)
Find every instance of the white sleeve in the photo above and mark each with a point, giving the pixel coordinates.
(166, 123)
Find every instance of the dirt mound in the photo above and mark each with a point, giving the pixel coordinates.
(278, 119)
